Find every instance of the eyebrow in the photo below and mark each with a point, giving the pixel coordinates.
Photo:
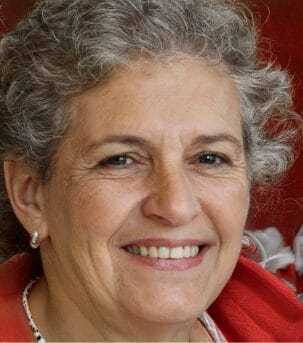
(142, 143)
(222, 137)
(120, 139)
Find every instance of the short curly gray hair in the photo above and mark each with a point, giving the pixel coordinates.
(67, 46)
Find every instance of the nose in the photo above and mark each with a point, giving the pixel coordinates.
(172, 201)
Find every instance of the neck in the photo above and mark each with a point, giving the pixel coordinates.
(59, 319)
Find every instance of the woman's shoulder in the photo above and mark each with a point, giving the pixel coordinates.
(256, 306)
(14, 275)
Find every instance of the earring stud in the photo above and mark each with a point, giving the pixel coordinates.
(252, 248)
(34, 242)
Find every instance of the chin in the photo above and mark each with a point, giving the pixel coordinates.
(171, 314)
(168, 306)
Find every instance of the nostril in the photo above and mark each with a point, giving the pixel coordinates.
(173, 203)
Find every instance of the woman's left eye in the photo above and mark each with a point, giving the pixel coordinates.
(213, 159)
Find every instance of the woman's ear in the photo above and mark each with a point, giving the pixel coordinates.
(25, 195)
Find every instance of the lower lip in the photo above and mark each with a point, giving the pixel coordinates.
(164, 264)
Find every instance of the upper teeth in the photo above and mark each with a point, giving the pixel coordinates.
(164, 252)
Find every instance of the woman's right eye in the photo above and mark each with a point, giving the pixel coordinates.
(118, 161)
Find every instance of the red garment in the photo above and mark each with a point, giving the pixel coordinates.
(254, 305)
(14, 276)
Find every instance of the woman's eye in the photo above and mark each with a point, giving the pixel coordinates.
(212, 159)
(118, 161)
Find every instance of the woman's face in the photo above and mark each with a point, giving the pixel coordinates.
(153, 164)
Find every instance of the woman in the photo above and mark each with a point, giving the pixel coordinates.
(131, 134)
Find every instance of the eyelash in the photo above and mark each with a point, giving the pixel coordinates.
(119, 161)
(213, 159)
(111, 161)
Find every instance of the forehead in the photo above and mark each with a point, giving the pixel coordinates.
(179, 95)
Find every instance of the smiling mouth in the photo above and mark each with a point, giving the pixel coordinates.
(164, 252)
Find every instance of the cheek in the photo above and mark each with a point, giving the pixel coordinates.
(100, 209)
(227, 208)
(227, 204)
(87, 218)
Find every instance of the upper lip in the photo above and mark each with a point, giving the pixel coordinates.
(158, 242)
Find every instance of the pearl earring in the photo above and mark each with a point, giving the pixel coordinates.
(252, 248)
(34, 242)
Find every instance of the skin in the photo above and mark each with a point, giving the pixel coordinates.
(174, 186)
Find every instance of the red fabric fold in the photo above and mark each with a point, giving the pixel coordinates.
(256, 306)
